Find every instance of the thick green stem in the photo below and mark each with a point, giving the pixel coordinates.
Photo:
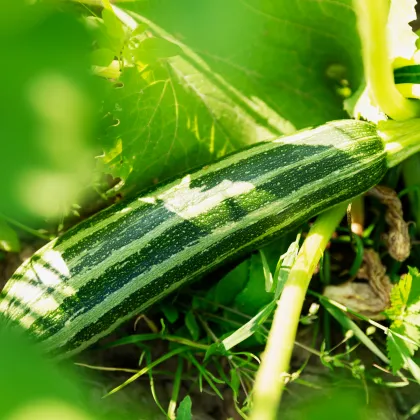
(402, 139)
(372, 16)
(272, 374)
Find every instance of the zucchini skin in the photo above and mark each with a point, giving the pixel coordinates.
(110, 267)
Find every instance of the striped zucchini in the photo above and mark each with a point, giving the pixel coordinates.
(82, 285)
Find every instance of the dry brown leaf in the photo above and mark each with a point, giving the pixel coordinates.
(397, 238)
(369, 299)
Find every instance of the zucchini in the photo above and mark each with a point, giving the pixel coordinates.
(82, 285)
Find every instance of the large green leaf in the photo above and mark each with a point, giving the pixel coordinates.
(248, 71)
(277, 51)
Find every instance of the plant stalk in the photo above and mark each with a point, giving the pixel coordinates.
(401, 138)
(372, 17)
(272, 374)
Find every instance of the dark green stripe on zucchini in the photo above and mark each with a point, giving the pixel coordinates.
(407, 74)
(81, 286)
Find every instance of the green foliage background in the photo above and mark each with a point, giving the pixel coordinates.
(195, 81)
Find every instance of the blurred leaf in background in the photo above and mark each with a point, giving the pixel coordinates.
(47, 110)
(184, 410)
(33, 388)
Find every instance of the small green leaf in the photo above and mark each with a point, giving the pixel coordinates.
(197, 303)
(140, 29)
(231, 284)
(235, 381)
(184, 410)
(152, 49)
(102, 57)
(170, 312)
(413, 300)
(404, 334)
(9, 240)
(113, 25)
(192, 325)
(254, 296)
(100, 33)
(216, 349)
(399, 296)
(411, 336)
(405, 296)
(399, 350)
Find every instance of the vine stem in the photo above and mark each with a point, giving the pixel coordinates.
(401, 139)
(25, 228)
(272, 374)
(372, 17)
